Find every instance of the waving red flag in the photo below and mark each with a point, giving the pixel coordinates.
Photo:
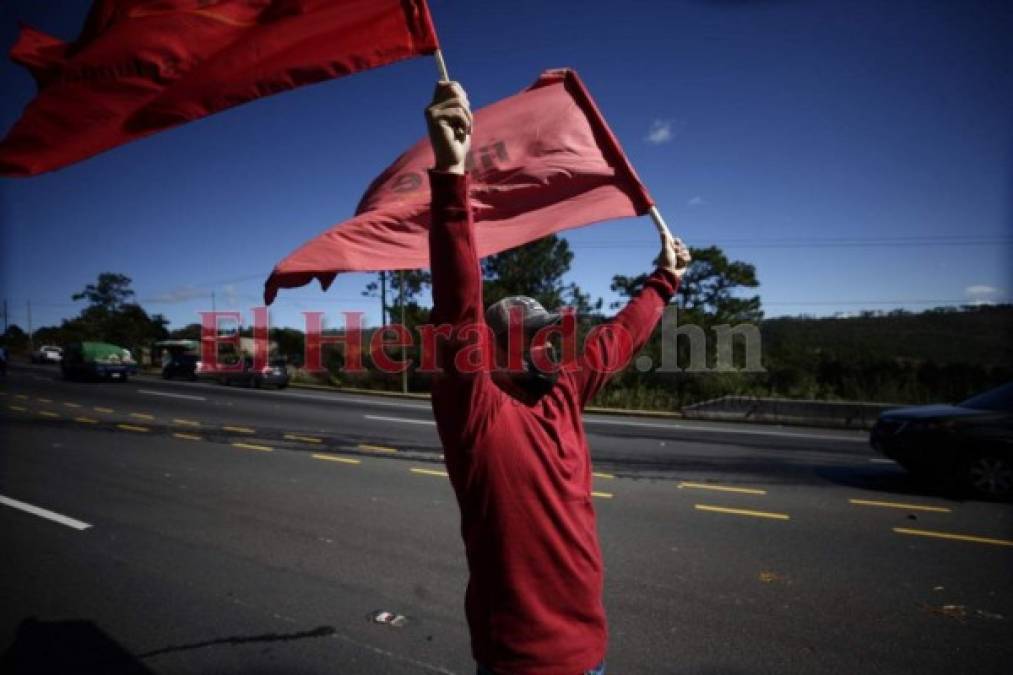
(542, 161)
(141, 66)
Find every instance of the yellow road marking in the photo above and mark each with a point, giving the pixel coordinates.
(142, 416)
(46, 413)
(742, 512)
(430, 472)
(599, 474)
(722, 488)
(188, 423)
(335, 458)
(131, 427)
(900, 505)
(955, 537)
(602, 495)
(241, 430)
(376, 448)
(71, 405)
(103, 410)
(251, 446)
(306, 439)
(85, 420)
(21, 396)
(44, 400)
(19, 408)
(189, 437)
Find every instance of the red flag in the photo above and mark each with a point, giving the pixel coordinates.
(541, 161)
(141, 66)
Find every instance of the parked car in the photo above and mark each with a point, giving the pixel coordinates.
(969, 444)
(275, 374)
(97, 360)
(47, 354)
(180, 365)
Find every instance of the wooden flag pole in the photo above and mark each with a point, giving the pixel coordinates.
(441, 65)
(659, 222)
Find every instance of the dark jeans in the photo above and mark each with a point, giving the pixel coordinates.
(597, 670)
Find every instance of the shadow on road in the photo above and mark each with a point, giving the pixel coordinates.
(82, 648)
(894, 481)
(77, 646)
(321, 631)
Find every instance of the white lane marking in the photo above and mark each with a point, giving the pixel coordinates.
(790, 434)
(403, 420)
(337, 397)
(882, 460)
(44, 513)
(165, 393)
(721, 430)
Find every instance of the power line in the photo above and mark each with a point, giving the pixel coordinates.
(961, 302)
(815, 243)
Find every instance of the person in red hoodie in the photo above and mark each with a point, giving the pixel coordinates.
(513, 437)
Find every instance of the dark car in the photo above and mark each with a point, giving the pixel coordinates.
(180, 365)
(967, 445)
(275, 373)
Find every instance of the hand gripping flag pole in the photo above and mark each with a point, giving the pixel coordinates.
(441, 65)
(659, 222)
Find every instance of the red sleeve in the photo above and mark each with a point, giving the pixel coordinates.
(464, 399)
(611, 346)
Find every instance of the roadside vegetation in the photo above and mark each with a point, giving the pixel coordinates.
(939, 355)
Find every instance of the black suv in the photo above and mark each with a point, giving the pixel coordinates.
(181, 365)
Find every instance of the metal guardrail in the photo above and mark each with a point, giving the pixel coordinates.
(844, 414)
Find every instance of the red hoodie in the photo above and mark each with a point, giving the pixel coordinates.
(522, 474)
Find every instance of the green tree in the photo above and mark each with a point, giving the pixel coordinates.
(111, 317)
(15, 339)
(110, 293)
(535, 269)
(708, 287)
(709, 284)
(415, 282)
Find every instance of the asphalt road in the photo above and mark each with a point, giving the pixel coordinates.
(192, 528)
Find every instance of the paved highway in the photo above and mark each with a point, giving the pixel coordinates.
(173, 527)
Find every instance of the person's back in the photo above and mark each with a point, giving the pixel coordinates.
(514, 442)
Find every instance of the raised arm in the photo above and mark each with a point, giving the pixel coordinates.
(610, 347)
(463, 392)
(457, 280)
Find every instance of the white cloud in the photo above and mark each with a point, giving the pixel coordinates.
(181, 294)
(231, 296)
(696, 201)
(981, 294)
(660, 132)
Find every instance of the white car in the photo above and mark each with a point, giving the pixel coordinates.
(47, 354)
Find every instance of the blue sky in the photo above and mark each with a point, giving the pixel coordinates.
(859, 154)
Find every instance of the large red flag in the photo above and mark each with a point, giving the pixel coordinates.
(141, 66)
(542, 161)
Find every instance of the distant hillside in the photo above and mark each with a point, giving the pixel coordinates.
(938, 355)
(981, 336)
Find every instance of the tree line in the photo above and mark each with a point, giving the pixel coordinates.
(943, 354)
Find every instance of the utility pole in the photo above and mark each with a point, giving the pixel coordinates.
(31, 345)
(404, 373)
(383, 299)
(212, 301)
